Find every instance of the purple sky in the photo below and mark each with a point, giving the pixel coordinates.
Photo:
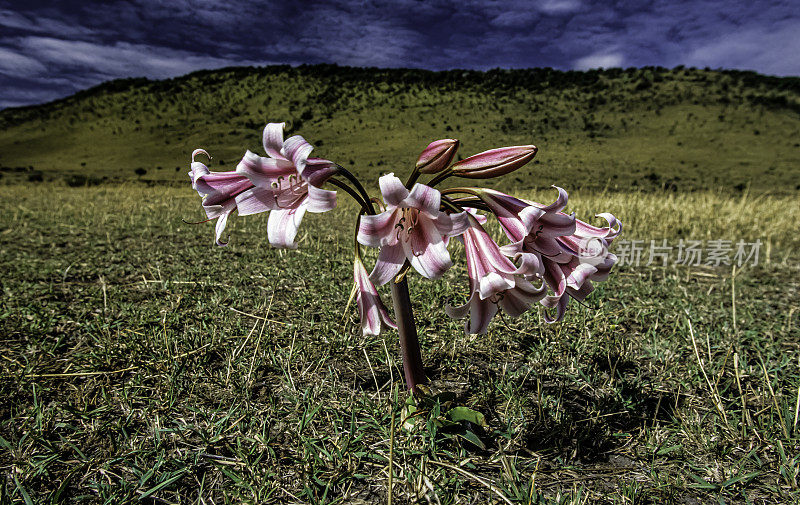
(52, 49)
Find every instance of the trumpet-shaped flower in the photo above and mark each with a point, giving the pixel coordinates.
(494, 282)
(220, 192)
(371, 309)
(285, 183)
(533, 228)
(588, 259)
(567, 252)
(411, 228)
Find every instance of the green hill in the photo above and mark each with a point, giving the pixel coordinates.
(647, 129)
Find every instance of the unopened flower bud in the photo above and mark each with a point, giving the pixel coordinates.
(437, 156)
(494, 162)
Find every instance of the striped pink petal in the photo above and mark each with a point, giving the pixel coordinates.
(273, 140)
(426, 250)
(256, 200)
(480, 314)
(392, 189)
(378, 230)
(264, 172)
(282, 226)
(297, 150)
(424, 198)
(371, 309)
(320, 200)
(390, 260)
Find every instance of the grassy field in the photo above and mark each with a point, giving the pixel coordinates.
(142, 363)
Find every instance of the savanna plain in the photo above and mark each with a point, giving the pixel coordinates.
(141, 363)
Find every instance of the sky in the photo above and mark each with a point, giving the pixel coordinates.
(49, 50)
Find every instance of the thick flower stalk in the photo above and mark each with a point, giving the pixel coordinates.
(550, 256)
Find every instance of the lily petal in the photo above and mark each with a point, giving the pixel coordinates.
(282, 226)
(581, 294)
(273, 140)
(392, 190)
(480, 313)
(320, 200)
(451, 225)
(604, 267)
(492, 283)
(378, 230)
(222, 221)
(371, 309)
(424, 198)
(512, 213)
(426, 250)
(487, 250)
(197, 170)
(580, 274)
(554, 276)
(459, 312)
(559, 204)
(297, 149)
(255, 200)
(221, 186)
(317, 171)
(557, 224)
(560, 302)
(517, 301)
(263, 171)
(390, 260)
(609, 232)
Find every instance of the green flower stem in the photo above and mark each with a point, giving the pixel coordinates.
(413, 178)
(350, 191)
(353, 179)
(440, 177)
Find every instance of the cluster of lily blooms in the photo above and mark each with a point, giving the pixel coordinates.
(548, 249)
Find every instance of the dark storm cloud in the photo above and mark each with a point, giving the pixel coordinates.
(50, 51)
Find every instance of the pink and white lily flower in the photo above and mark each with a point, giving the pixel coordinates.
(532, 227)
(285, 183)
(412, 227)
(220, 192)
(548, 243)
(589, 260)
(494, 282)
(371, 309)
(526, 223)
